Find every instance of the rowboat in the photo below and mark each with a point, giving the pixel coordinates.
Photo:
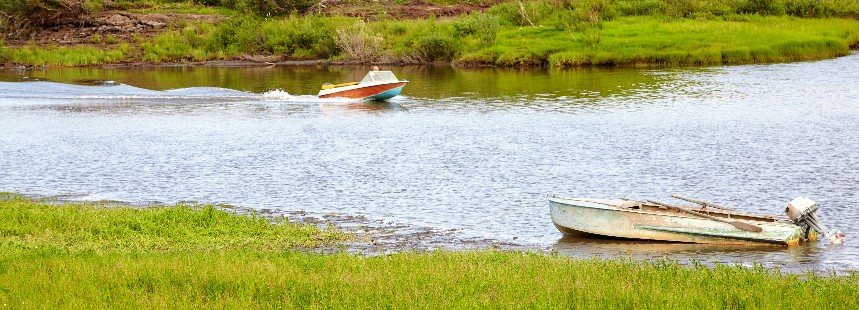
(376, 85)
(705, 223)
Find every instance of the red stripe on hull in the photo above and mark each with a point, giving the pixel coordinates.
(363, 92)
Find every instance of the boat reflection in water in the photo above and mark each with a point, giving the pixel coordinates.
(796, 259)
(593, 246)
(335, 108)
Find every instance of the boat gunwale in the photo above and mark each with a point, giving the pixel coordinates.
(747, 217)
(330, 92)
(779, 233)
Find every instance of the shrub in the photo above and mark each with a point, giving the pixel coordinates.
(821, 8)
(301, 37)
(484, 26)
(639, 7)
(762, 7)
(359, 42)
(605, 9)
(519, 13)
(435, 46)
(170, 46)
(237, 35)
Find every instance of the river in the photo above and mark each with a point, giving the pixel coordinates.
(472, 151)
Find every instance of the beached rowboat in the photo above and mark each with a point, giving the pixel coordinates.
(376, 85)
(651, 220)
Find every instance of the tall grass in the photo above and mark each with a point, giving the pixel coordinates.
(479, 39)
(63, 56)
(29, 227)
(61, 255)
(652, 41)
(528, 33)
(439, 280)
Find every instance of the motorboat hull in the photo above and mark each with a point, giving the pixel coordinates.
(382, 91)
(376, 85)
(609, 218)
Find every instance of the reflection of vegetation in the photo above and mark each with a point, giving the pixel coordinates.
(518, 33)
(425, 81)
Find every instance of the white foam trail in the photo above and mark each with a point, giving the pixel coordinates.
(277, 94)
(281, 95)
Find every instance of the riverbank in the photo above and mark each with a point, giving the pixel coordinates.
(74, 255)
(534, 33)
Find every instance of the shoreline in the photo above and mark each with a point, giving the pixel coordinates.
(372, 236)
(325, 62)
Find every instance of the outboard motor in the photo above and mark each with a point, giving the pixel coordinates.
(801, 211)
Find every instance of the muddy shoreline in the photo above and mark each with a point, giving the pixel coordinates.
(227, 64)
(371, 236)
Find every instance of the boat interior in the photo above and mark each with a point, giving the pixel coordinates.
(720, 212)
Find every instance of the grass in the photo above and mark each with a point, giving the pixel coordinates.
(32, 227)
(622, 41)
(64, 56)
(92, 256)
(648, 41)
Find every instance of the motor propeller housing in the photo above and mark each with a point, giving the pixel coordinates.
(802, 211)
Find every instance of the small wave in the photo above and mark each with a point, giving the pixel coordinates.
(281, 95)
(277, 94)
(205, 92)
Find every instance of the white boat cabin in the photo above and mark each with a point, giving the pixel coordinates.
(379, 77)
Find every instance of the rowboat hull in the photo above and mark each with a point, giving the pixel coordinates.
(380, 91)
(609, 218)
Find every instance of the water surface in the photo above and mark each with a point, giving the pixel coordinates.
(470, 150)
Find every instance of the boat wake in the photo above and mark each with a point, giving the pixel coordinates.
(280, 95)
(108, 92)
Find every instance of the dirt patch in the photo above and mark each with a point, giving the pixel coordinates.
(108, 27)
(114, 26)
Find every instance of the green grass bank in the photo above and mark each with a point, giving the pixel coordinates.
(46, 228)
(90, 256)
(556, 33)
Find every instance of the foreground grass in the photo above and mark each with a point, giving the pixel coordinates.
(44, 228)
(440, 280)
(213, 259)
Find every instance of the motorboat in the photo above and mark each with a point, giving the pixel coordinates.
(703, 223)
(376, 85)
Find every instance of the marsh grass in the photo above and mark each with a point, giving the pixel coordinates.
(526, 33)
(64, 56)
(645, 40)
(439, 280)
(82, 255)
(31, 227)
